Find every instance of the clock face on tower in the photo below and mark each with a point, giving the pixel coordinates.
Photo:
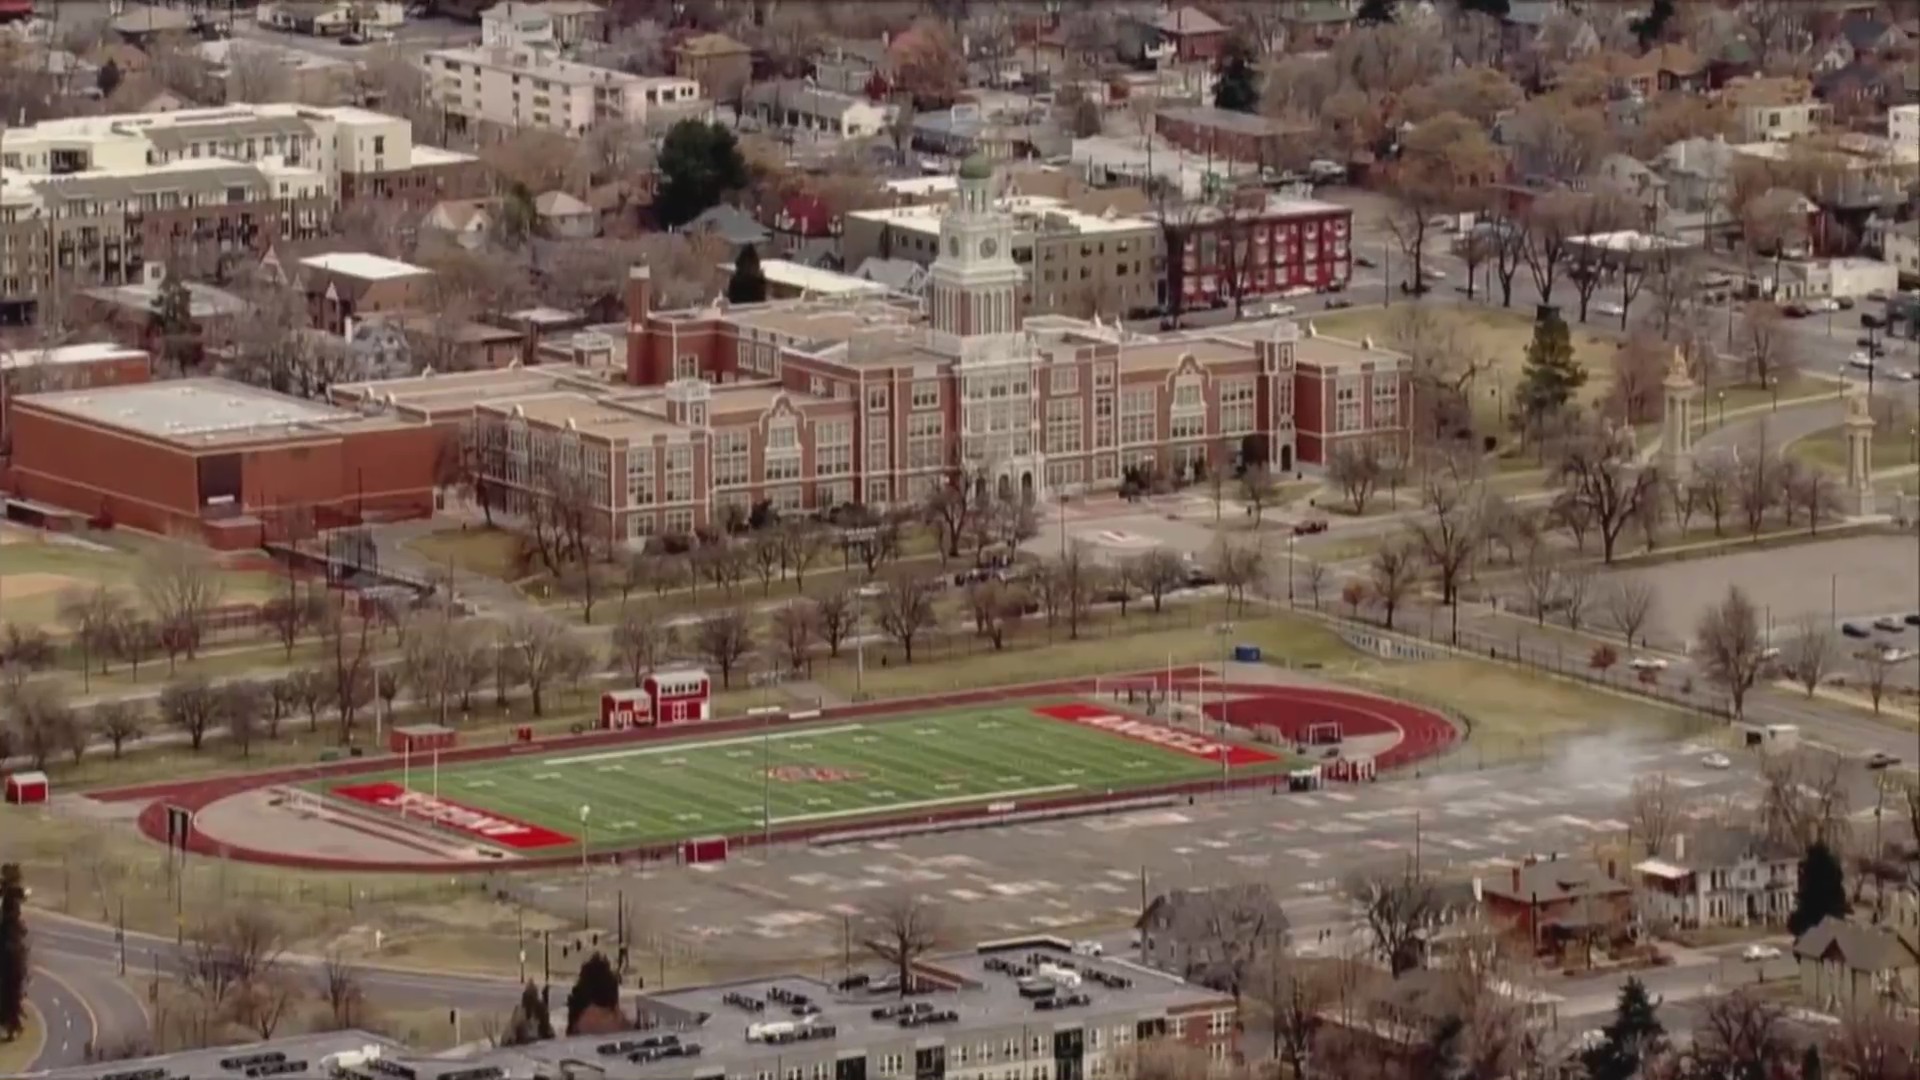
(988, 247)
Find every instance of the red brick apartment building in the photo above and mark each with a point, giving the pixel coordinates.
(1259, 247)
(1230, 136)
(218, 461)
(353, 285)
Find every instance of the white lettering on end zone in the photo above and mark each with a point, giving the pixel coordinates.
(426, 806)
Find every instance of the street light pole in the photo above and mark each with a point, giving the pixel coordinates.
(586, 871)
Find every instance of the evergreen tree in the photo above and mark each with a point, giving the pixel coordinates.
(699, 164)
(173, 321)
(597, 987)
(749, 283)
(13, 952)
(1810, 1067)
(108, 78)
(1822, 892)
(531, 1021)
(1551, 375)
(1238, 87)
(1652, 26)
(1631, 1037)
(1374, 12)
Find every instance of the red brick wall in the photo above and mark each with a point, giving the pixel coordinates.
(142, 484)
(651, 351)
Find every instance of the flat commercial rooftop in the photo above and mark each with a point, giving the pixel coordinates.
(360, 264)
(93, 352)
(191, 410)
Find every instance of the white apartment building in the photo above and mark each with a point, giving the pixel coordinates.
(1902, 248)
(518, 87)
(326, 141)
(1903, 125)
(803, 108)
(552, 23)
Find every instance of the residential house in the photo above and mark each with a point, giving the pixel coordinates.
(1524, 20)
(902, 277)
(1637, 181)
(467, 222)
(576, 22)
(805, 229)
(347, 287)
(331, 18)
(851, 66)
(1195, 36)
(1559, 903)
(1848, 964)
(1870, 35)
(1863, 89)
(1665, 68)
(1723, 875)
(1775, 109)
(1902, 249)
(721, 65)
(1698, 176)
(513, 25)
(1188, 932)
(798, 107)
(1398, 1017)
(564, 217)
(1315, 24)
(731, 224)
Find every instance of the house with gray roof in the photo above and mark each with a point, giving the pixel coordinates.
(902, 276)
(803, 108)
(1721, 875)
(1196, 933)
(732, 224)
(1849, 964)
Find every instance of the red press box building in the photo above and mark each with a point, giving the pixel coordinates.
(421, 738)
(24, 788)
(679, 696)
(221, 461)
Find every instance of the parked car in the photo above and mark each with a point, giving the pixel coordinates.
(1871, 321)
(1309, 527)
(1880, 759)
(1433, 274)
(1845, 303)
(1609, 308)
(1913, 618)
(1855, 630)
(1648, 663)
(1717, 761)
(1335, 303)
(1362, 260)
(1860, 360)
(1759, 952)
(1889, 622)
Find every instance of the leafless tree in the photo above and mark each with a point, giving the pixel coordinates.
(1449, 534)
(180, 586)
(1258, 491)
(901, 928)
(1808, 655)
(1239, 566)
(91, 615)
(1398, 910)
(1357, 468)
(764, 553)
(264, 1003)
(1740, 1035)
(1715, 476)
(1540, 581)
(1628, 605)
(795, 630)
(904, 609)
(190, 703)
(641, 638)
(802, 544)
(1601, 475)
(1078, 580)
(1392, 573)
(1159, 572)
(1729, 643)
(340, 984)
(1576, 593)
(1876, 671)
(1815, 491)
(230, 952)
(239, 704)
(1804, 799)
(539, 651)
(1875, 1043)
(723, 638)
(119, 721)
(837, 614)
(997, 609)
(1656, 806)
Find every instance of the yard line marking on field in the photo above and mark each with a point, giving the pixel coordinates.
(691, 815)
(922, 804)
(626, 825)
(739, 753)
(946, 787)
(677, 747)
(478, 783)
(862, 740)
(611, 768)
(670, 761)
(546, 776)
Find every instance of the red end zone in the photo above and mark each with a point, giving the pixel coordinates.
(478, 824)
(1128, 727)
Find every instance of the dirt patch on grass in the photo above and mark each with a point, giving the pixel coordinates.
(24, 585)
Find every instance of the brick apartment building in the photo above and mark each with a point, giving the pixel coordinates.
(721, 65)
(93, 201)
(219, 461)
(347, 286)
(1231, 136)
(1257, 247)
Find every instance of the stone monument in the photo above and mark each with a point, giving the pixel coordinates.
(1858, 497)
(1676, 438)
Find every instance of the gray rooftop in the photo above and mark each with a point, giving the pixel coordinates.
(988, 1016)
(207, 1064)
(215, 176)
(181, 409)
(203, 301)
(174, 137)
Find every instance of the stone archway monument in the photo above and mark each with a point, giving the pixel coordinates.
(1858, 498)
(1676, 437)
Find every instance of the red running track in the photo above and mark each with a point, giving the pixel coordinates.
(1290, 708)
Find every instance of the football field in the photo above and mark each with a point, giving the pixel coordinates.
(674, 789)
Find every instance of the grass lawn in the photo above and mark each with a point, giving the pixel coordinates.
(1828, 449)
(1500, 336)
(477, 550)
(1137, 643)
(1515, 712)
(685, 788)
(34, 571)
(18, 1052)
